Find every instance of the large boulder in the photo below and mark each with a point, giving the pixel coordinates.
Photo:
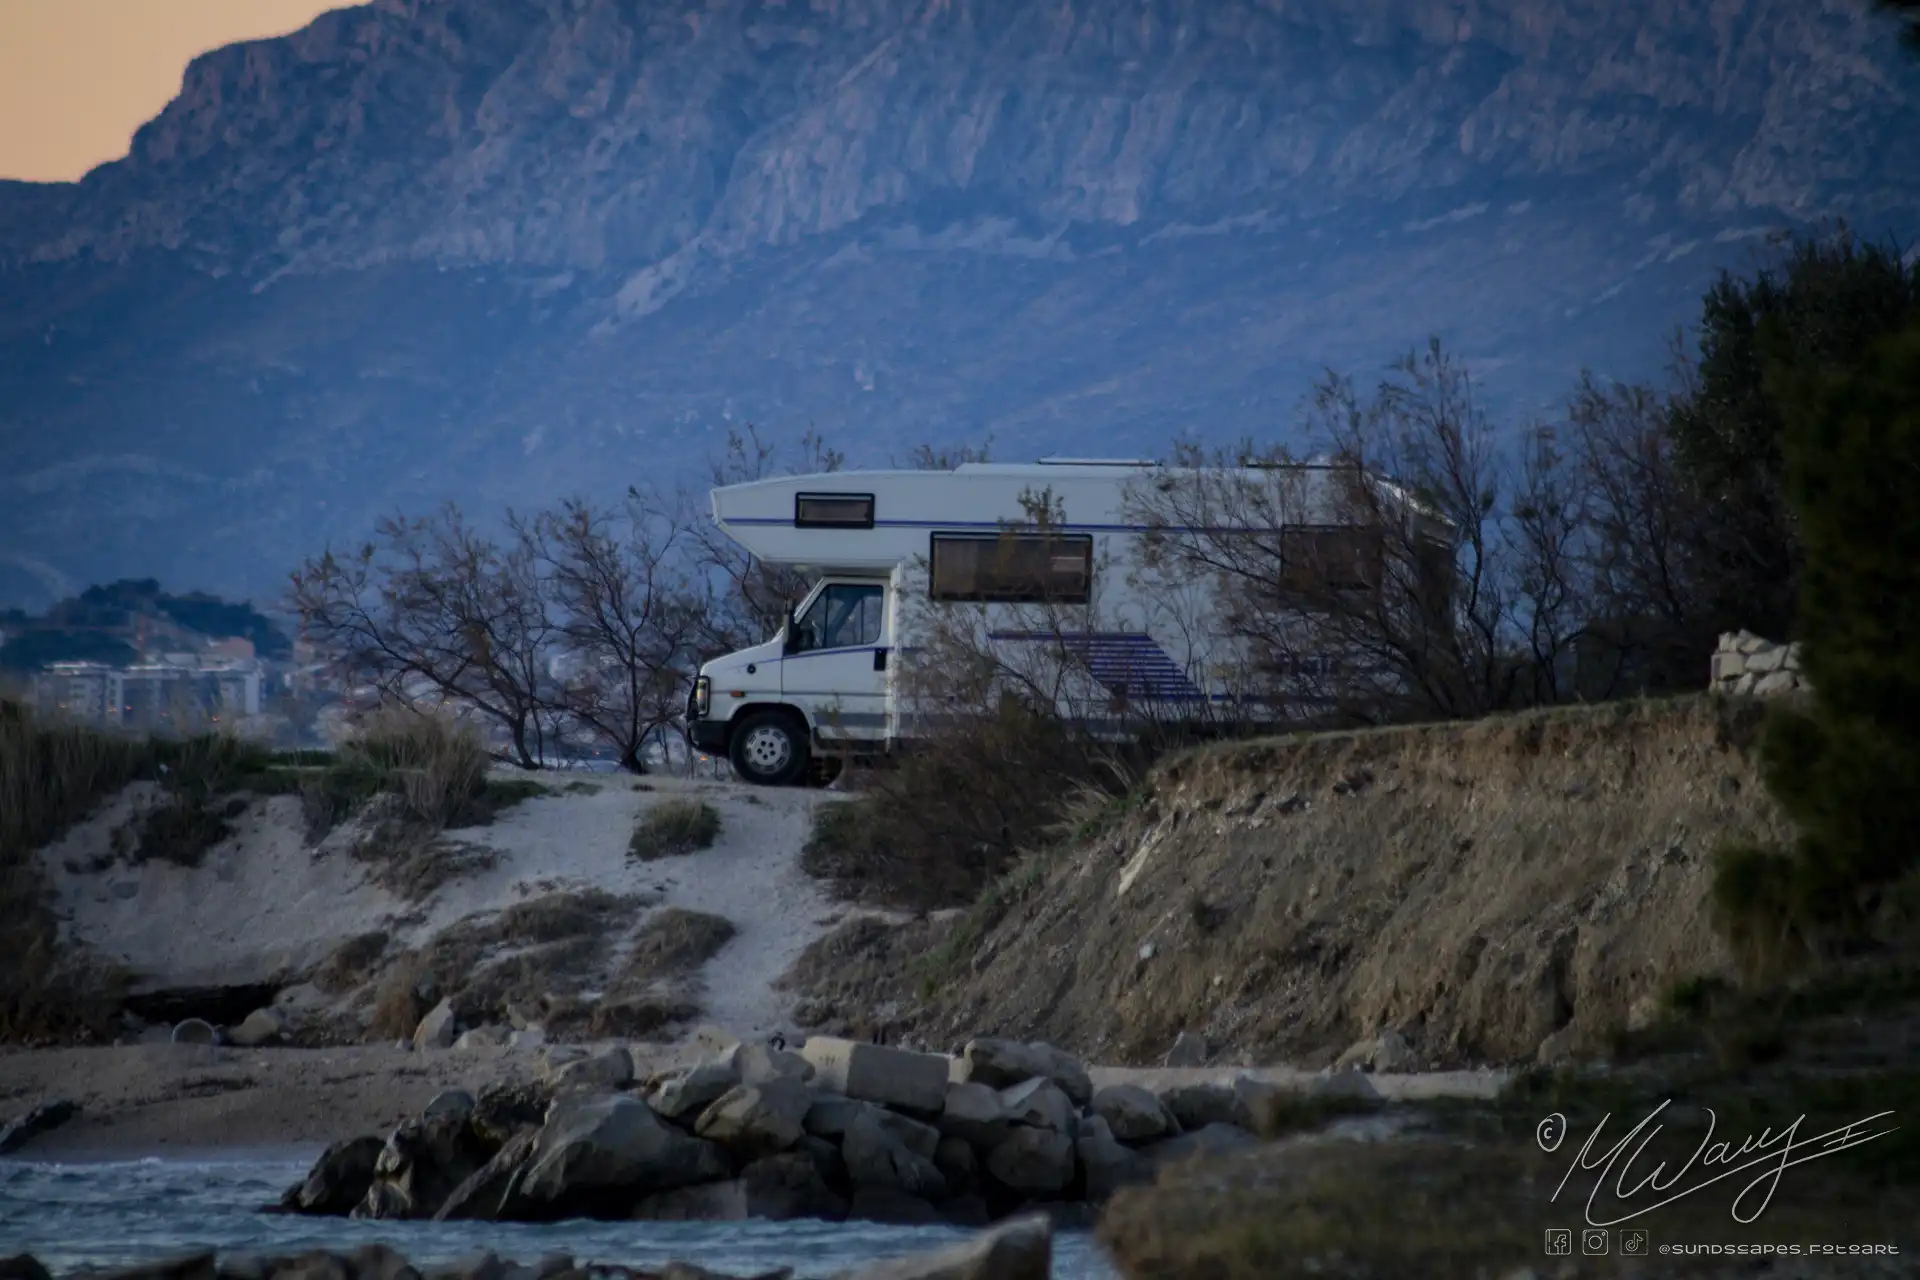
(958, 1163)
(778, 1188)
(759, 1063)
(878, 1156)
(1386, 1052)
(437, 1029)
(612, 1069)
(597, 1153)
(686, 1095)
(874, 1073)
(1041, 1104)
(1350, 1085)
(339, 1179)
(451, 1102)
(1134, 1114)
(481, 1038)
(490, 1192)
(1107, 1164)
(974, 1112)
(42, 1119)
(1021, 1249)
(262, 1026)
(1039, 1162)
(506, 1108)
(422, 1163)
(201, 1265)
(827, 1159)
(1002, 1063)
(758, 1119)
(831, 1113)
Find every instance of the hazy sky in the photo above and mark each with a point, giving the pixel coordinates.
(77, 77)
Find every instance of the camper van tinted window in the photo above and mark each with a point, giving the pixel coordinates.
(833, 511)
(1012, 568)
(1329, 558)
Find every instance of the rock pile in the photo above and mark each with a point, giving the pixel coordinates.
(1016, 1251)
(839, 1130)
(1747, 664)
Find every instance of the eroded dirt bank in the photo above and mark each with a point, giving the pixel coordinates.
(1492, 892)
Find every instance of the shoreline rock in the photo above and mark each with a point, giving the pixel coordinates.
(1021, 1249)
(752, 1132)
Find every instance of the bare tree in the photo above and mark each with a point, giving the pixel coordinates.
(925, 457)
(1415, 569)
(629, 616)
(1652, 627)
(434, 614)
(747, 601)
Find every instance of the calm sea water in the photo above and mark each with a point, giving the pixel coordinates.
(113, 1212)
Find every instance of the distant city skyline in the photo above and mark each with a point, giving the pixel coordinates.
(79, 77)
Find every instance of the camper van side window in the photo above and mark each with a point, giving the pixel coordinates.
(1317, 558)
(833, 511)
(1012, 568)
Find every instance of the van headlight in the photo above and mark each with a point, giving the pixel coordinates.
(702, 696)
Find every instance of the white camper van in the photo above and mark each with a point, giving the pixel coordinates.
(898, 552)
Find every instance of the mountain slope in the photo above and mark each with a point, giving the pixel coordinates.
(501, 249)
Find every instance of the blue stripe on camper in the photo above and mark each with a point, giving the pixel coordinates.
(1130, 664)
(786, 522)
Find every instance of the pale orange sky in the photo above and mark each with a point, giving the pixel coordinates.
(77, 77)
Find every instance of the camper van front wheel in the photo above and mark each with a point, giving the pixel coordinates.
(769, 748)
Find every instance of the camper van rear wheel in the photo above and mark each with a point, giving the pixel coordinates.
(769, 748)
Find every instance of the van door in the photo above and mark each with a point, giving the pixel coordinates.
(835, 666)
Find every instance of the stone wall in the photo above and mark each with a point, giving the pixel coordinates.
(1745, 663)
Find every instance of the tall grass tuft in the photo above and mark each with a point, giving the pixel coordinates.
(51, 776)
(437, 765)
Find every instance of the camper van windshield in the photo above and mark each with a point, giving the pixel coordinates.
(844, 615)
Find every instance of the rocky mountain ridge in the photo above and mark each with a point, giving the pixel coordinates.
(495, 249)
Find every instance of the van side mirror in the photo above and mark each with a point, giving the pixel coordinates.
(791, 632)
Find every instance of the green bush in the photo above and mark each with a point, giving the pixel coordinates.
(673, 828)
(1846, 768)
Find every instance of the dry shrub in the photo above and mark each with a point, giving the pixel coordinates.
(673, 828)
(653, 990)
(435, 765)
(858, 979)
(953, 814)
(413, 864)
(533, 955)
(640, 1017)
(400, 1001)
(180, 830)
(674, 942)
(438, 765)
(351, 963)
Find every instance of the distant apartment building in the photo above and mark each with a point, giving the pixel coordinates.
(186, 691)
